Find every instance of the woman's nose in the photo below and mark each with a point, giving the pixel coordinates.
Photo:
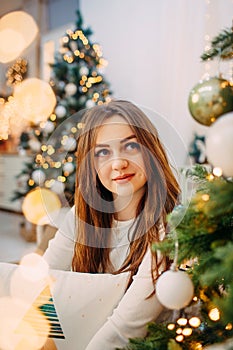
(119, 163)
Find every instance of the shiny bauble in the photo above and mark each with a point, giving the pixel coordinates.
(68, 167)
(34, 145)
(60, 111)
(58, 187)
(84, 70)
(174, 289)
(219, 144)
(38, 176)
(210, 99)
(49, 127)
(90, 103)
(70, 89)
(69, 144)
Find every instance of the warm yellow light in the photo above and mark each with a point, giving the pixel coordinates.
(73, 129)
(17, 31)
(217, 172)
(179, 338)
(228, 327)
(182, 321)
(33, 267)
(53, 117)
(36, 99)
(179, 331)
(8, 50)
(187, 331)
(205, 197)
(210, 177)
(171, 326)
(39, 203)
(31, 182)
(214, 314)
(195, 322)
(17, 329)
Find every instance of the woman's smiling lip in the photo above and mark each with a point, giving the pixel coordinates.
(125, 177)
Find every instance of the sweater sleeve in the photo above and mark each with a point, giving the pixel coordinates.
(60, 249)
(132, 314)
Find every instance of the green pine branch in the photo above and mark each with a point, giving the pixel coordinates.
(221, 46)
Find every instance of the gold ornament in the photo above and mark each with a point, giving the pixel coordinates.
(210, 99)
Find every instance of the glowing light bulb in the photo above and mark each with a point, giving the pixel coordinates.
(214, 314)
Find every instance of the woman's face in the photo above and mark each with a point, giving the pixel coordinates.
(118, 158)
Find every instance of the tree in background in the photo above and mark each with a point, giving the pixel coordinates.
(201, 232)
(78, 83)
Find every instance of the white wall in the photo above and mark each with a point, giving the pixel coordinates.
(153, 48)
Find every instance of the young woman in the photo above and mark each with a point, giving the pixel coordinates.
(124, 190)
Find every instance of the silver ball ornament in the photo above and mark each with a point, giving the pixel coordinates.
(70, 144)
(49, 127)
(60, 111)
(90, 103)
(69, 167)
(83, 70)
(58, 187)
(38, 176)
(70, 89)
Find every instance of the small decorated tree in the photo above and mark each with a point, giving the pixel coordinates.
(78, 83)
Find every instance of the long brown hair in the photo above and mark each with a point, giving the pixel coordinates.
(94, 203)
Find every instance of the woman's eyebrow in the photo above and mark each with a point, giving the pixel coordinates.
(128, 138)
(121, 141)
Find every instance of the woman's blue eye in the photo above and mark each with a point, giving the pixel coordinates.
(132, 146)
(102, 152)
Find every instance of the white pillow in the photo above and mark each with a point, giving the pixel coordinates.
(83, 301)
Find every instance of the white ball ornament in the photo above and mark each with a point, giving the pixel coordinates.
(174, 289)
(70, 144)
(69, 167)
(38, 176)
(58, 187)
(35, 145)
(84, 70)
(60, 111)
(49, 127)
(90, 103)
(70, 89)
(219, 144)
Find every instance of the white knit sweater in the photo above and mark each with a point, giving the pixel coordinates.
(135, 310)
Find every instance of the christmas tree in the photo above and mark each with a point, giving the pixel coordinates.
(200, 240)
(78, 83)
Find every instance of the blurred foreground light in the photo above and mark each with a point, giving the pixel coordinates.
(19, 325)
(12, 44)
(18, 29)
(36, 99)
(33, 267)
(38, 203)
